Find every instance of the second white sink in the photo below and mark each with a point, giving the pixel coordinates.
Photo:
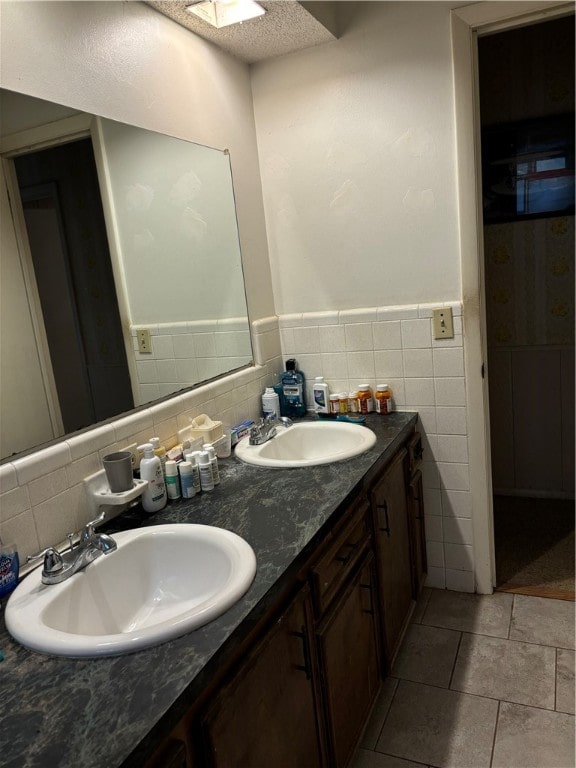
(307, 444)
(162, 582)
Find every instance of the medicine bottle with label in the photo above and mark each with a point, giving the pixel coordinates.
(365, 402)
(383, 399)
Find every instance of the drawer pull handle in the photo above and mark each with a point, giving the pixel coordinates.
(386, 527)
(346, 558)
(371, 609)
(307, 666)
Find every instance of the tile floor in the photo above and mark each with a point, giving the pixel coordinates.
(481, 681)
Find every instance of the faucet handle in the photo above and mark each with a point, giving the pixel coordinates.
(88, 531)
(53, 562)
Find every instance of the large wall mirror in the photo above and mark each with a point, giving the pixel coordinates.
(121, 274)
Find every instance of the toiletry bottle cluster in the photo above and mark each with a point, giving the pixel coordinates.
(288, 396)
(360, 401)
(182, 472)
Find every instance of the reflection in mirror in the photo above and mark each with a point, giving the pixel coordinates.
(121, 270)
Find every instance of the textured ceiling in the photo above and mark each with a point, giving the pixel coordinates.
(286, 26)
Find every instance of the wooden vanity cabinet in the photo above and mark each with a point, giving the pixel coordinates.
(266, 715)
(393, 550)
(301, 693)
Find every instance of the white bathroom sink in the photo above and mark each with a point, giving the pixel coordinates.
(162, 582)
(307, 444)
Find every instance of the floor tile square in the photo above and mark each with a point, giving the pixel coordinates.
(365, 758)
(481, 614)
(439, 727)
(421, 605)
(544, 621)
(504, 669)
(533, 738)
(379, 712)
(565, 681)
(427, 655)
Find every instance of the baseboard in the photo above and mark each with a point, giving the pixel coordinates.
(519, 589)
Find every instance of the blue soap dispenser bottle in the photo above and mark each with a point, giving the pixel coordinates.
(293, 390)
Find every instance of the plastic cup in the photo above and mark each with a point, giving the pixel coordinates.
(223, 446)
(118, 468)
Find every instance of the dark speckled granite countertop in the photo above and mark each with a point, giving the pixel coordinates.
(106, 713)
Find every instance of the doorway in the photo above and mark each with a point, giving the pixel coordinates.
(66, 231)
(526, 79)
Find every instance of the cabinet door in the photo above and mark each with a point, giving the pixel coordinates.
(393, 550)
(266, 716)
(348, 658)
(418, 533)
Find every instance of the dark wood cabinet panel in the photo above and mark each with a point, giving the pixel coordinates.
(266, 716)
(393, 551)
(349, 662)
(417, 532)
(172, 755)
(334, 566)
(300, 695)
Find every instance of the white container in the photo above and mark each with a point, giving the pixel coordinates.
(270, 403)
(213, 463)
(172, 480)
(192, 457)
(186, 480)
(154, 497)
(321, 395)
(206, 478)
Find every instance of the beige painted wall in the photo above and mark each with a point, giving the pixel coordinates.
(357, 156)
(129, 63)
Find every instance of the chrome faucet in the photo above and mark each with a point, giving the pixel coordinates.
(266, 429)
(59, 567)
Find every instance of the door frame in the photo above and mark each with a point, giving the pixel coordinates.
(82, 125)
(23, 142)
(467, 24)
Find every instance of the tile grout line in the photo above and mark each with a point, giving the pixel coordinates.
(494, 736)
(479, 696)
(497, 637)
(455, 661)
(511, 614)
(556, 680)
(388, 710)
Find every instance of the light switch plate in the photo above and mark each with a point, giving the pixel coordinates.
(443, 323)
(144, 342)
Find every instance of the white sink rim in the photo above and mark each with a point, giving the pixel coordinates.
(356, 439)
(31, 599)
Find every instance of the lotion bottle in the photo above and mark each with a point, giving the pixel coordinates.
(321, 395)
(154, 497)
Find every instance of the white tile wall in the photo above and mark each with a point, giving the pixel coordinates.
(42, 495)
(184, 353)
(396, 345)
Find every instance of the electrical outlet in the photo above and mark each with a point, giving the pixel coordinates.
(443, 323)
(144, 341)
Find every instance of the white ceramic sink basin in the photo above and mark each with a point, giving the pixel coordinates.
(307, 444)
(161, 582)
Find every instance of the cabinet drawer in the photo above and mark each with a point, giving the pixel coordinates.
(335, 565)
